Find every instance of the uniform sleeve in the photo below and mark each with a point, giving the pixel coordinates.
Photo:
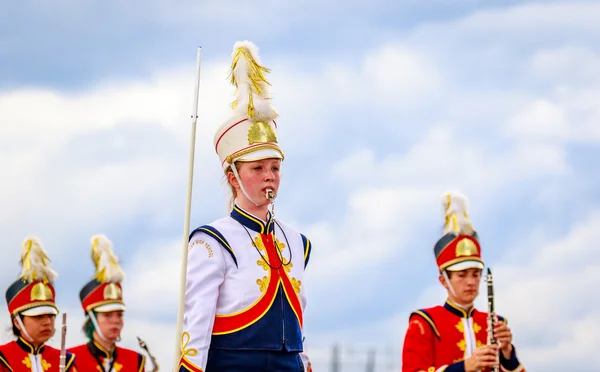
(418, 349)
(307, 247)
(70, 362)
(141, 362)
(4, 367)
(205, 273)
(512, 364)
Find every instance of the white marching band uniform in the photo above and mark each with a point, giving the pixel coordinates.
(245, 294)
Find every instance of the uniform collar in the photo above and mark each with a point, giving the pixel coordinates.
(29, 348)
(457, 310)
(98, 350)
(252, 222)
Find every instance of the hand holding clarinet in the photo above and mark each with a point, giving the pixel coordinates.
(487, 356)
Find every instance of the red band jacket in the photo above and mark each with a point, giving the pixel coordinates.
(21, 356)
(92, 357)
(441, 338)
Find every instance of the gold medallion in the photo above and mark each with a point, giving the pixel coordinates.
(261, 132)
(41, 292)
(112, 292)
(466, 247)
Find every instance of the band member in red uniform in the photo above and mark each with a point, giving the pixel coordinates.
(102, 301)
(453, 337)
(32, 308)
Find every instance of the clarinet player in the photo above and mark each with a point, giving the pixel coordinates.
(453, 337)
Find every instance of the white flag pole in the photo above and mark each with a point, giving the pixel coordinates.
(186, 225)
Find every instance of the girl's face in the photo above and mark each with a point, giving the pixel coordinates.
(40, 328)
(111, 324)
(257, 177)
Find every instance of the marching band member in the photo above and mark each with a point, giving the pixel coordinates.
(102, 302)
(32, 308)
(452, 337)
(245, 293)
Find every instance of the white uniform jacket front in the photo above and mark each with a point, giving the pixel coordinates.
(244, 288)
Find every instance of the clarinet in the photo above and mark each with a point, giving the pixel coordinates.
(152, 358)
(491, 320)
(63, 349)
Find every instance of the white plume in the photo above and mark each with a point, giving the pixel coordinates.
(252, 87)
(105, 260)
(455, 211)
(35, 262)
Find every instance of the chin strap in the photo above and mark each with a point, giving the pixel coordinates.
(23, 330)
(447, 279)
(96, 327)
(237, 176)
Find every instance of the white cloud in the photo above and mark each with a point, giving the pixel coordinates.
(89, 154)
(567, 64)
(568, 115)
(445, 158)
(154, 273)
(533, 17)
(400, 77)
(540, 118)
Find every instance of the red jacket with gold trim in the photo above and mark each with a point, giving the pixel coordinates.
(442, 337)
(92, 357)
(21, 356)
(244, 288)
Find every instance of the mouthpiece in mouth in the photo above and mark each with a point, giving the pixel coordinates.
(270, 194)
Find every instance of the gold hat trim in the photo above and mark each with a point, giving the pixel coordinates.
(229, 159)
(34, 305)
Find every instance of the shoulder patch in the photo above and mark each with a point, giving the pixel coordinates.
(425, 315)
(307, 249)
(214, 233)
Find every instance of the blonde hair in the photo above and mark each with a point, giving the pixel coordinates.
(231, 188)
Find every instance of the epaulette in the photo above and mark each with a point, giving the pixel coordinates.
(425, 315)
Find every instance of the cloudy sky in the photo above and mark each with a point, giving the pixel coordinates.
(382, 107)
